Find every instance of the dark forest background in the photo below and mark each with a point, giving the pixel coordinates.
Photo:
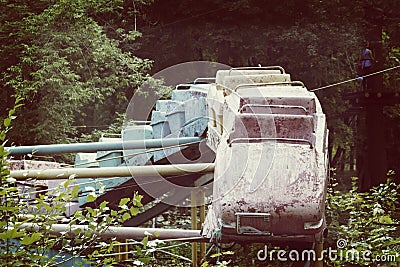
(77, 63)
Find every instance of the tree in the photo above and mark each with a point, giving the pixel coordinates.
(69, 71)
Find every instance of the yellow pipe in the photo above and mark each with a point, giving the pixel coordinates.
(104, 172)
(123, 233)
(194, 227)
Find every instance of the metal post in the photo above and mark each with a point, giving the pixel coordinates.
(202, 219)
(119, 256)
(198, 199)
(194, 227)
(122, 256)
(125, 249)
(319, 246)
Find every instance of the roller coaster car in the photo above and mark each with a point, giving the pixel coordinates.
(270, 139)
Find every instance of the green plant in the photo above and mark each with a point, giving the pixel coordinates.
(366, 223)
(26, 234)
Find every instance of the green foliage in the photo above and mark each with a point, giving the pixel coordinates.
(26, 235)
(69, 71)
(114, 129)
(367, 221)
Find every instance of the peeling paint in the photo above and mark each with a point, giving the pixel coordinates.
(270, 159)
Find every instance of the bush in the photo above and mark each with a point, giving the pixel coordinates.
(365, 223)
(26, 236)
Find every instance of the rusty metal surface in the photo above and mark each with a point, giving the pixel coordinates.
(292, 191)
(270, 171)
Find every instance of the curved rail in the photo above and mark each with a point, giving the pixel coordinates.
(203, 79)
(294, 83)
(235, 140)
(282, 70)
(274, 106)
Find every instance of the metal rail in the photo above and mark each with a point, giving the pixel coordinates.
(282, 70)
(98, 146)
(123, 233)
(294, 83)
(235, 140)
(207, 80)
(104, 172)
(273, 106)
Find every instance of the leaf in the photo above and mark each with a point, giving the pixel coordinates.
(145, 260)
(156, 234)
(27, 240)
(75, 192)
(103, 204)
(7, 122)
(134, 211)
(123, 201)
(385, 219)
(145, 241)
(126, 216)
(11, 234)
(91, 197)
(2, 135)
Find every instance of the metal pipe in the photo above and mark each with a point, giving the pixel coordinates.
(123, 233)
(99, 146)
(104, 172)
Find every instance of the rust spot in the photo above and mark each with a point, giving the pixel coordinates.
(252, 210)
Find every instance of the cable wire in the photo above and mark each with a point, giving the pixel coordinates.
(354, 79)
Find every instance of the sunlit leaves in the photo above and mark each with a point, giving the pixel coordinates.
(91, 197)
(31, 238)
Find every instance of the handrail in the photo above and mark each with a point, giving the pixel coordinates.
(180, 86)
(259, 68)
(271, 83)
(269, 139)
(274, 106)
(183, 86)
(204, 79)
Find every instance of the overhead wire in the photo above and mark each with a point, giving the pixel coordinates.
(354, 79)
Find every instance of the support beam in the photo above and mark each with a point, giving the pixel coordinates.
(123, 233)
(104, 172)
(99, 146)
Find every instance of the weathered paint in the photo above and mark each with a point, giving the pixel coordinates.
(185, 115)
(271, 159)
